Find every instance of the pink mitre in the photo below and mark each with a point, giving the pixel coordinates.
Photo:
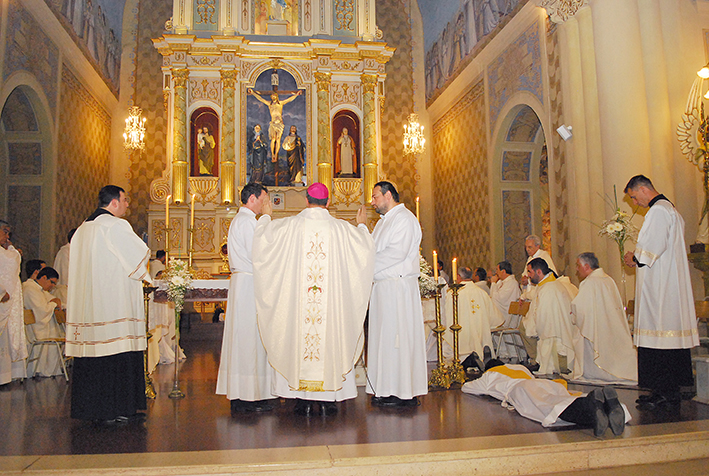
(318, 190)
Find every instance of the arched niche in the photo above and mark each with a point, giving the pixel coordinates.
(204, 143)
(521, 184)
(346, 145)
(27, 171)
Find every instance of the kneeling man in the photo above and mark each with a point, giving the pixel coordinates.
(312, 276)
(603, 346)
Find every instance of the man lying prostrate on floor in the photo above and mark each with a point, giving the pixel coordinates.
(548, 401)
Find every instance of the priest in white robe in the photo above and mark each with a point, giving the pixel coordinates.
(245, 376)
(312, 278)
(396, 367)
(550, 319)
(61, 265)
(13, 344)
(37, 297)
(503, 291)
(548, 401)
(665, 319)
(603, 345)
(477, 314)
(106, 314)
(533, 248)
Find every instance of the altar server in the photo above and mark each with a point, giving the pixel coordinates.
(665, 320)
(477, 314)
(245, 376)
(37, 297)
(550, 318)
(603, 345)
(312, 276)
(396, 367)
(549, 402)
(13, 344)
(105, 314)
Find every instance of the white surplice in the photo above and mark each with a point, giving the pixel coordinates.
(397, 340)
(13, 344)
(244, 372)
(550, 318)
(477, 314)
(312, 277)
(603, 347)
(61, 264)
(664, 304)
(540, 400)
(105, 308)
(45, 327)
(502, 293)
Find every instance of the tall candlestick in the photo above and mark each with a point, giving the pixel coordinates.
(455, 270)
(192, 213)
(435, 266)
(418, 210)
(167, 211)
(167, 228)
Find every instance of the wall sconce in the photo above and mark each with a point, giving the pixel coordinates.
(134, 134)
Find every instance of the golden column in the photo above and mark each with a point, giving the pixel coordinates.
(228, 152)
(324, 141)
(180, 166)
(369, 84)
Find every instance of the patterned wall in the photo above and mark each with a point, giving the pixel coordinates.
(29, 49)
(83, 159)
(148, 95)
(461, 194)
(393, 20)
(561, 199)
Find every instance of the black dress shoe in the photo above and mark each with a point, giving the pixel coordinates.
(487, 355)
(260, 406)
(303, 407)
(600, 418)
(239, 406)
(660, 401)
(646, 397)
(614, 410)
(328, 408)
(376, 401)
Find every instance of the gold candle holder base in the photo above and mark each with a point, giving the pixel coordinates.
(149, 388)
(439, 376)
(455, 369)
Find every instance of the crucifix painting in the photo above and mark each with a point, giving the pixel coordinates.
(275, 105)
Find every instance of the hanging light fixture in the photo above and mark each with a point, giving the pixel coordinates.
(134, 134)
(413, 136)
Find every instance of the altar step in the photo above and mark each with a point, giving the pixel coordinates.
(669, 448)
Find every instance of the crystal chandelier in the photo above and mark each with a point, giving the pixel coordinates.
(135, 129)
(413, 136)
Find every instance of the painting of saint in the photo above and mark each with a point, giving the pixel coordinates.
(204, 148)
(345, 128)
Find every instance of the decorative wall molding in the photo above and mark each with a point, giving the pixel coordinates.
(561, 10)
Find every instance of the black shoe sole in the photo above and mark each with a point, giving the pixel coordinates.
(614, 410)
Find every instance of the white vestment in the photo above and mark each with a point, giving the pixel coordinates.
(61, 264)
(244, 372)
(476, 315)
(312, 277)
(530, 289)
(45, 326)
(105, 308)
(664, 304)
(551, 321)
(539, 400)
(13, 344)
(155, 267)
(397, 341)
(603, 346)
(484, 286)
(502, 293)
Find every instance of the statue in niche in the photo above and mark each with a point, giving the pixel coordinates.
(295, 152)
(346, 155)
(345, 130)
(276, 127)
(204, 145)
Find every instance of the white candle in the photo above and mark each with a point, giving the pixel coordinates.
(455, 270)
(435, 265)
(192, 214)
(418, 216)
(167, 212)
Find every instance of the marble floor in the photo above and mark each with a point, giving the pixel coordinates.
(34, 417)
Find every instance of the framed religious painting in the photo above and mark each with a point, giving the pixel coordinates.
(204, 143)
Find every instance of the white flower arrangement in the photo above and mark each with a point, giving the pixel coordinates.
(427, 285)
(179, 280)
(619, 228)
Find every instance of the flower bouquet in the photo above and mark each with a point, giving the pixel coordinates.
(427, 285)
(618, 228)
(179, 280)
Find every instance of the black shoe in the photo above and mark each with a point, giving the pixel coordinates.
(480, 364)
(376, 401)
(260, 406)
(614, 410)
(239, 406)
(328, 408)
(600, 418)
(303, 407)
(412, 402)
(646, 397)
(660, 401)
(487, 355)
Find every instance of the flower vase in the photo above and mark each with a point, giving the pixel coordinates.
(176, 392)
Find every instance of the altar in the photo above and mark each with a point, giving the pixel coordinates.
(261, 92)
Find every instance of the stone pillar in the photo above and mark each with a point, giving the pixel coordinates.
(324, 133)
(180, 166)
(228, 148)
(369, 134)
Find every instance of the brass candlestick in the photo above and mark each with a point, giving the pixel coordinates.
(439, 376)
(149, 388)
(455, 369)
(190, 251)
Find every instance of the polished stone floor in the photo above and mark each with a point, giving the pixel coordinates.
(34, 416)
